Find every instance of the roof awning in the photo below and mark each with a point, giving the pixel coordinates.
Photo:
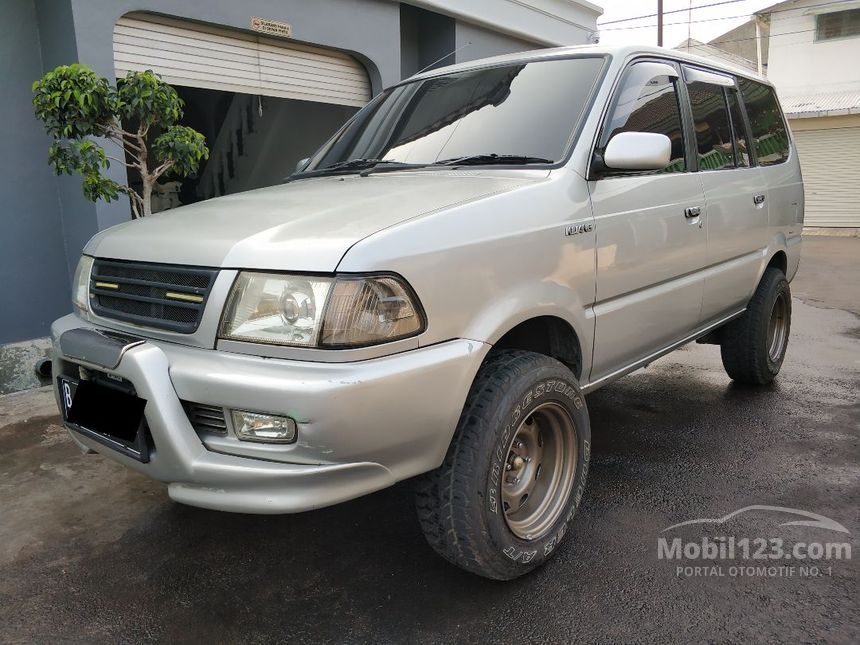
(825, 104)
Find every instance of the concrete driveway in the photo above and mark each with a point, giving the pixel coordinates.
(92, 552)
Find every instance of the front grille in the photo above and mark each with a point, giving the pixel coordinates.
(205, 418)
(164, 296)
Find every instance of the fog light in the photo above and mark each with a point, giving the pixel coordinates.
(269, 428)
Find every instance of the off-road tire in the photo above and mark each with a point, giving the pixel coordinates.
(460, 504)
(745, 345)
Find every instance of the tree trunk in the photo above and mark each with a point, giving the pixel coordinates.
(145, 174)
(147, 194)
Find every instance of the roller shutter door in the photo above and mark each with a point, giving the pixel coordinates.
(830, 160)
(193, 55)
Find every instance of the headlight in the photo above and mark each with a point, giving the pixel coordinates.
(278, 309)
(308, 311)
(81, 283)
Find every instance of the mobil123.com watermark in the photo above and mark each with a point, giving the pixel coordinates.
(756, 541)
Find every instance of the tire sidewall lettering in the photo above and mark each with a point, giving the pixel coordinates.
(514, 549)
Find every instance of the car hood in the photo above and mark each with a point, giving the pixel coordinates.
(304, 225)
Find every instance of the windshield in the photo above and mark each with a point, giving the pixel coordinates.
(519, 113)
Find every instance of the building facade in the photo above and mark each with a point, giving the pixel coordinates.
(813, 55)
(266, 81)
(717, 53)
(748, 41)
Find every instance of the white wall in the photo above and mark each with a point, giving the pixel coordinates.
(800, 65)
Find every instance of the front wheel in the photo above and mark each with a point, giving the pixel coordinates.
(515, 472)
(753, 346)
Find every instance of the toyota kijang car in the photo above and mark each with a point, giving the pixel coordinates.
(434, 291)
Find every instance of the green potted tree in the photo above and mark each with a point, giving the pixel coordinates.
(76, 105)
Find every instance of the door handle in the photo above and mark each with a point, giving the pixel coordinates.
(758, 199)
(692, 211)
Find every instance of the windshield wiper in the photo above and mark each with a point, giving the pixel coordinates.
(492, 158)
(356, 164)
(368, 166)
(345, 166)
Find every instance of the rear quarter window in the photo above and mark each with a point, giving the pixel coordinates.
(770, 138)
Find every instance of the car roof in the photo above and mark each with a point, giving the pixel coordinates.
(620, 53)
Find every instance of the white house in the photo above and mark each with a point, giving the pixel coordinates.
(814, 62)
(708, 50)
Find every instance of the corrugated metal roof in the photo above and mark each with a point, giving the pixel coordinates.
(825, 104)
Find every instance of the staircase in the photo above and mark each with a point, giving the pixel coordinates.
(241, 124)
(254, 150)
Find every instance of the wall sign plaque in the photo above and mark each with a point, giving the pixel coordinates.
(272, 27)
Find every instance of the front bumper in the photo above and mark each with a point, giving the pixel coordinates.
(362, 425)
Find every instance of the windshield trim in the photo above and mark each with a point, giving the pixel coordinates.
(568, 146)
(425, 76)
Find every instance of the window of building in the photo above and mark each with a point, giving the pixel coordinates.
(648, 102)
(712, 126)
(839, 24)
(770, 138)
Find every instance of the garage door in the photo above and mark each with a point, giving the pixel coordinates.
(194, 55)
(830, 160)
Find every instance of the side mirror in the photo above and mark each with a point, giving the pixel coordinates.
(301, 164)
(638, 151)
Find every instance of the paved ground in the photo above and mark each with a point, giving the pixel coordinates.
(91, 552)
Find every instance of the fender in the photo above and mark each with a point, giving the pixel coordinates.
(533, 301)
(776, 244)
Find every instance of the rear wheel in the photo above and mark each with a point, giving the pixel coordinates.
(753, 346)
(515, 471)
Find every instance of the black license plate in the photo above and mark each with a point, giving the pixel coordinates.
(107, 414)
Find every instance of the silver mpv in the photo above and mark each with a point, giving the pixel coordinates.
(436, 288)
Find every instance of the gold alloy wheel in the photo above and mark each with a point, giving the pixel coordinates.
(777, 328)
(539, 471)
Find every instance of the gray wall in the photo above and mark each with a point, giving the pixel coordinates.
(478, 42)
(426, 40)
(33, 273)
(78, 216)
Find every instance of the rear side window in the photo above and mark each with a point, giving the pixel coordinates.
(648, 102)
(712, 126)
(770, 138)
(742, 157)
